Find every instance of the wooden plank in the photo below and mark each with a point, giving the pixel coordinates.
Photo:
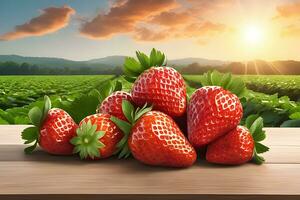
(10, 134)
(131, 177)
(277, 155)
(42, 176)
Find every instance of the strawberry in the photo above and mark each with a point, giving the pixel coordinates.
(238, 146)
(113, 104)
(97, 137)
(52, 131)
(163, 87)
(212, 112)
(154, 138)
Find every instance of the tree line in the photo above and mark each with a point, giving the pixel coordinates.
(13, 68)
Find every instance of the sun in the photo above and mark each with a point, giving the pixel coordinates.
(253, 35)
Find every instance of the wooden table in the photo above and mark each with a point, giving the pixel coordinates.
(42, 176)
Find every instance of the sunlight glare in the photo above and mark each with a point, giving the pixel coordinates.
(253, 34)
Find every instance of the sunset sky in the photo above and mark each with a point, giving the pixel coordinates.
(215, 29)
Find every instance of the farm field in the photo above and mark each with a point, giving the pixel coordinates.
(284, 85)
(76, 95)
(20, 93)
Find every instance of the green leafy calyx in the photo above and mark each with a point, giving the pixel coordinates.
(133, 68)
(37, 117)
(255, 125)
(234, 84)
(87, 142)
(132, 115)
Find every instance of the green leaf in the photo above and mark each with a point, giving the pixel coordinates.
(141, 112)
(30, 133)
(256, 128)
(35, 116)
(216, 78)
(125, 152)
(250, 119)
(291, 123)
(143, 59)
(29, 150)
(260, 148)
(94, 92)
(8, 117)
(130, 79)
(157, 58)
(106, 89)
(234, 84)
(81, 107)
(46, 108)
(124, 126)
(295, 115)
(258, 159)
(118, 86)
(132, 67)
(128, 110)
(226, 80)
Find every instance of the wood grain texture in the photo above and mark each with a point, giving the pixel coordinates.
(42, 176)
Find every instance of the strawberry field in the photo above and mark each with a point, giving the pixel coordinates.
(19, 93)
(275, 98)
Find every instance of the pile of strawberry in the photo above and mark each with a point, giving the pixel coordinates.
(155, 122)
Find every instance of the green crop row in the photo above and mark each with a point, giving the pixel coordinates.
(283, 85)
(17, 91)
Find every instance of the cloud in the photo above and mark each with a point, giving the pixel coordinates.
(146, 34)
(203, 29)
(288, 10)
(123, 16)
(202, 7)
(291, 31)
(200, 30)
(51, 19)
(171, 18)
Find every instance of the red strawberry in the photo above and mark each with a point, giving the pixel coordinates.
(164, 88)
(56, 132)
(212, 112)
(238, 146)
(156, 140)
(113, 104)
(97, 137)
(153, 138)
(53, 130)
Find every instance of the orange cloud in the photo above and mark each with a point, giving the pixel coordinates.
(201, 7)
(123, 17)
(145, 34)
(171, 18)
(203, 29)
(288, 10)
(291, 31)
(51, 20)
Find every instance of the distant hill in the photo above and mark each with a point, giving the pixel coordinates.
(112, 61)
(109, 60)
(288, 67)
(113, 64)
(201, 61)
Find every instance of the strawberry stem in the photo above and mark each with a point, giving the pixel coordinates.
(133, 68)
(132, 115)
(87, 142)
(37, 117)
(255, 125)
